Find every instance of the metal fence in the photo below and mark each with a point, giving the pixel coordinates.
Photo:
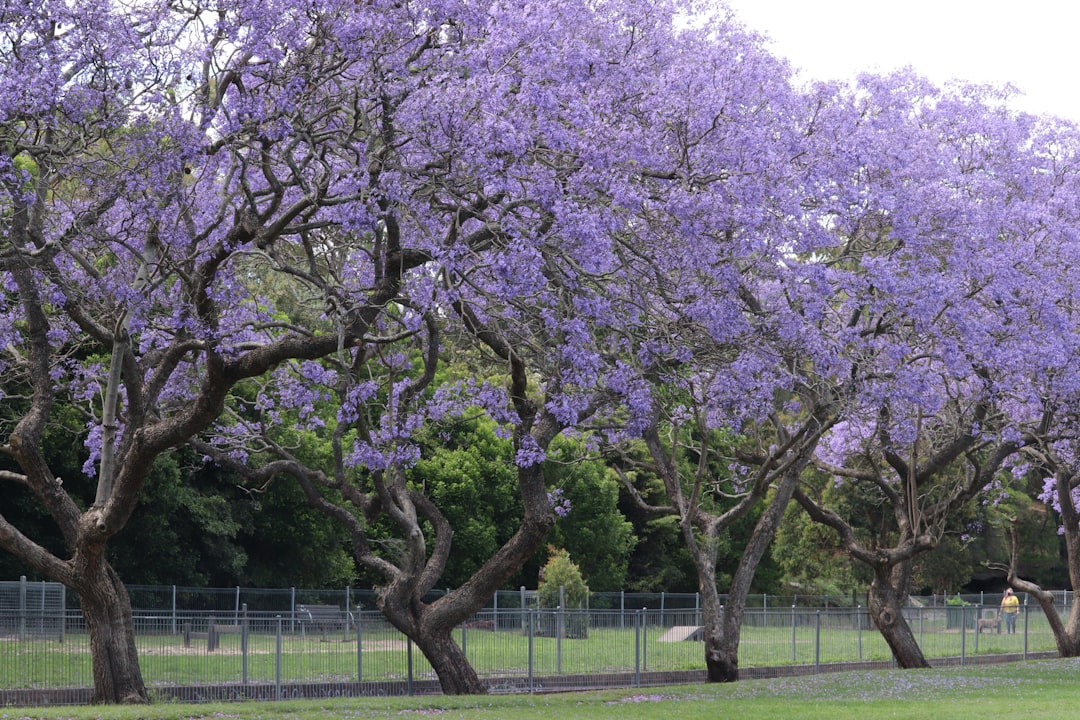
(176, 600)
(322, 651)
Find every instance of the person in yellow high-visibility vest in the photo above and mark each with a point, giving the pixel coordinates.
(1010, 610)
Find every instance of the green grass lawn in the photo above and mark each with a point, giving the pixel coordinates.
(507, 653)
(1034, 690)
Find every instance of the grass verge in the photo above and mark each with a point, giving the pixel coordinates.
(1036, 690)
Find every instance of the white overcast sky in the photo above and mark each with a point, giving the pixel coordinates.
(1033, 44)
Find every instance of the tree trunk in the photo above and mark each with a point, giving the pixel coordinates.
(1066, 633)
(723, 625)
(107, 610)
(456, 674)
(1068, 641)
(432, 633)
(887, 611)
(721, 656)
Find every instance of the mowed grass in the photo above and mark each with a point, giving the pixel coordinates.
(1033, 690)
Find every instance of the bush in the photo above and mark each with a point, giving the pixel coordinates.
(563, 586)
(562, 572)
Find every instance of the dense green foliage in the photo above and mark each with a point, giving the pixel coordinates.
(562, 584)
(197, 525)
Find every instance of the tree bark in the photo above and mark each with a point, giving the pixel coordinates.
(721, 653)
(723, 624)
(107, 610)
(1066, 636)
(456, 675)
(430, 626)
(886, 607)
(1066, 633)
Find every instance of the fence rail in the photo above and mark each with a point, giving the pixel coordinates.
(203, 655)
(176, 599)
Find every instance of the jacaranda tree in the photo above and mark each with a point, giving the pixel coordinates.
(150, 155)
(932, 284)
(1043, 307)
(548, 191)
(730, 363)
(247, 221)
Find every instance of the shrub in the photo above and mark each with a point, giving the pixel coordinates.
(561, 572)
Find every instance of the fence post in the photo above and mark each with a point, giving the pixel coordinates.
(464, 639)
(1026, 612)
(978, 614)
(560, 630)
(922, 621)
(63, 614)
(409, 678)
(173, 609)
(22, 607)
(645, 638)
(963, 634)
(817, 643)
(277, 662)
(524, 618)
(495, 621)
(359, 643)
(244, 643)
(532, 649)
(794, 640)
(292, 610)
(622, 609)
(637, 649)
(661, 608)
(858, 620)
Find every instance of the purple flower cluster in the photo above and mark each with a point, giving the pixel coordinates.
(558, 502)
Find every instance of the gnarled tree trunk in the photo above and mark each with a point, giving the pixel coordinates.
(1067, 632)
(456, 674)
(721, 651)
(431, 626)
(106, 608)
(435, 640)
(886, 608)
(723, 631)
(721, 655)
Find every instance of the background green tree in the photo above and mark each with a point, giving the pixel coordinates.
(594, 530)
(562, 584)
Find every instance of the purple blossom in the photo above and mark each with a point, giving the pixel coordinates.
(529, 453)
(559, 503)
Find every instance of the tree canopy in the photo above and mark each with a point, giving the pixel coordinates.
(314, 240)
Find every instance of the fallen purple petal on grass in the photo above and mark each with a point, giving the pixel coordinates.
(642, 698)
(422, 711)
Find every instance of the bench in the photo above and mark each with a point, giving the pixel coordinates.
(323, 619)
(212, 634)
